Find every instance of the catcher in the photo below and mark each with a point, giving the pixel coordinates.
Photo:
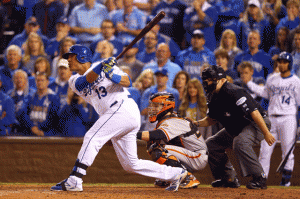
(175, 142)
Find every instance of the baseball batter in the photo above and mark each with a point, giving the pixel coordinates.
(103, 85)
(176, 141)
(283, 91)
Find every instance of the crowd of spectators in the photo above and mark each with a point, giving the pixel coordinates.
(244, 37)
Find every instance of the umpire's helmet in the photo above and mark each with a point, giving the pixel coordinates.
(84, 54)
(160, 104)
(213, 72)
(287, 57)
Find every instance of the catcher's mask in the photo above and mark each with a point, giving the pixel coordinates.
(160, 104)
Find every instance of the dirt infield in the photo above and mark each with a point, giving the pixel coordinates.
(140, 192)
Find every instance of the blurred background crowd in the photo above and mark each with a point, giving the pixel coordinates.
(243, 37)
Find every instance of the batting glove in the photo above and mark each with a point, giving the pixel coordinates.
(108, 65)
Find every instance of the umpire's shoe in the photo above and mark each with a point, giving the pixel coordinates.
(69, 184)
(258, 182)
(226, 183)
(179, 178)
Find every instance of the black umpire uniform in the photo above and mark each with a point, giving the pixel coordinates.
(232, 106)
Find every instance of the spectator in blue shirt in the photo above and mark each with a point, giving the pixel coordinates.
(48, 13)
(129, 59)
(85, 21)
(62, 31)
(246, 71)
(229, 14)
(222, 59)
(254, 19)
(34, 48)
(292, 19)
(104, 50)
(60, 85)
(229, 43)
(163, 61)
(31, 25)
(73, 116)
(161, 38)
(274, 10)
(281, 43)
(7, 113)
(192, 58)
(40, 114)
(64, 47)
(203, 16)
(296, 53)
(20, 95)
(41, 65)
(108, 31)
(129, 21)
(260, 61)
(147, 55)
(13, 55)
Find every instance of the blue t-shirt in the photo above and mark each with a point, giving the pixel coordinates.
(192, 61)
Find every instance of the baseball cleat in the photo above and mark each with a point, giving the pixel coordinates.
(189, 182)
(175, 184)
(226, 183)
(161, 184)
(258, 182)
(66, 186)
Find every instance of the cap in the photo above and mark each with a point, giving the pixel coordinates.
(32, 20)
(254, 2)
(63, 62)
(198, 33)
(161, 71)
(63, 20)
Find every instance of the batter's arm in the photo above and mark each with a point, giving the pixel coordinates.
(258, 119)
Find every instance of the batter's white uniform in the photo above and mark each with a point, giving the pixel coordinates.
(119, 122)
(284, 99)
(192, 150)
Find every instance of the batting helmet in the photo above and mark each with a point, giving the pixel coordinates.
(287, 57)
(160, 104)
(84, 54)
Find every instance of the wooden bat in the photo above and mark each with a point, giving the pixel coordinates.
(283, 162)
(145, 30)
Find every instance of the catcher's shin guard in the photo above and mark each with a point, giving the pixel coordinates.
(79, 169)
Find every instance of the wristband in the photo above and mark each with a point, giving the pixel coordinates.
(116, 78)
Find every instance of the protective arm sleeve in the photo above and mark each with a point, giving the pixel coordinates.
(81, 83)
(156, 134)
(259, 90)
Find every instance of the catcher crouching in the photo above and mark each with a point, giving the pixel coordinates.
(175, 142)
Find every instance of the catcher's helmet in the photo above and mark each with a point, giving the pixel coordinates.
(213, 72)
(287, 57)
(84, 54)
(160, 104)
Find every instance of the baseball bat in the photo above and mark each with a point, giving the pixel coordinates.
(144, 31)
(283, 162)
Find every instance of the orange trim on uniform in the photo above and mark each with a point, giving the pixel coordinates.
(168, 137)
(158, 124)
(161, 160)
(193, 157)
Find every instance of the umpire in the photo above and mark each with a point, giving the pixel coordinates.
(245, 125)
